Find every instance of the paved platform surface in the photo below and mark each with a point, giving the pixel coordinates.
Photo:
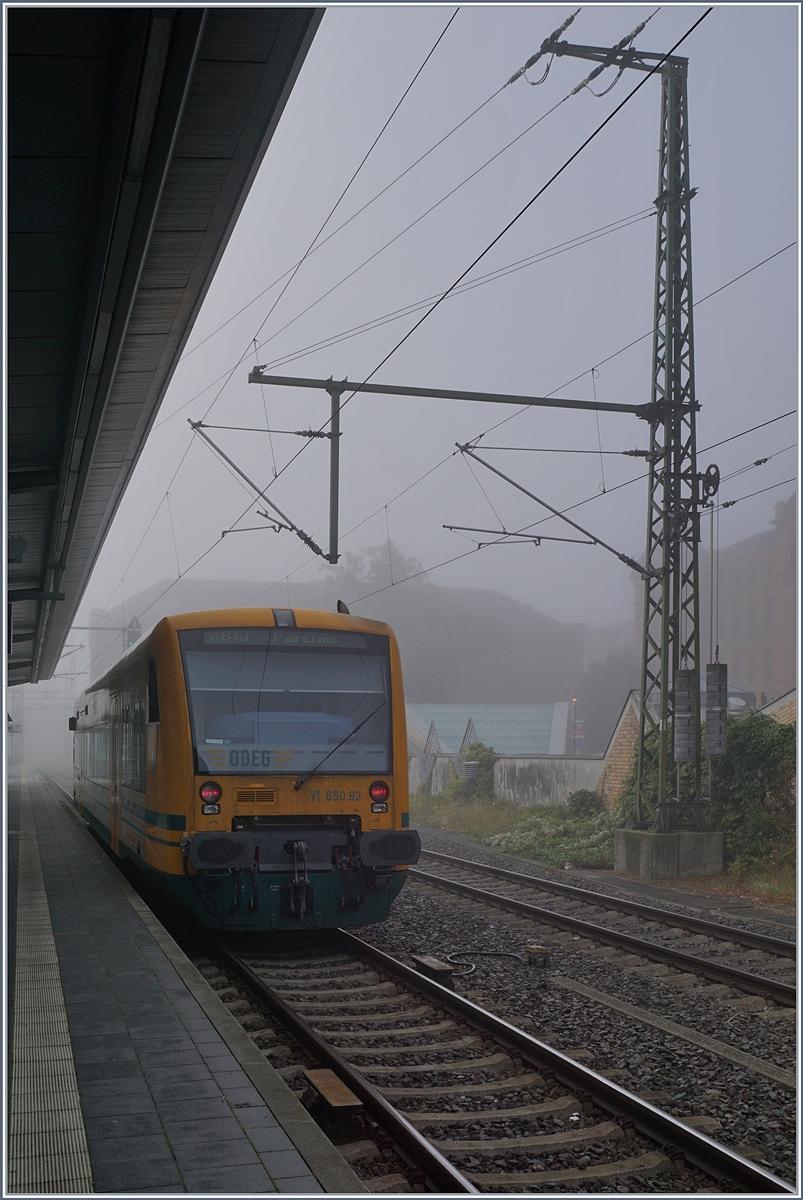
(683, 891)
(167, 1093)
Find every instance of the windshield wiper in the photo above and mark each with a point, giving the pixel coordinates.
(302, 779)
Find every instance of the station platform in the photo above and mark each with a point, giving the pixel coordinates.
(127, 1074)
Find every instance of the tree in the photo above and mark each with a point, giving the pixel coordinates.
(376, 567)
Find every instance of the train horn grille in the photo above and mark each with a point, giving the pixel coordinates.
(256, 796)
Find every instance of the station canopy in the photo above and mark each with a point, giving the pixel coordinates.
(133, 138)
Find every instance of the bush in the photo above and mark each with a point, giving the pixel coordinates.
(483, 786)
(584, 803)
(753, 793)
(552, 835)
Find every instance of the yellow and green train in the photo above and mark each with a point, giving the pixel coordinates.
(254, 762)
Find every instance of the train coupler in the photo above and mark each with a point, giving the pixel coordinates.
(295, 899)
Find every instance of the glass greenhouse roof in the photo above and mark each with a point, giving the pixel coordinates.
(506, 728)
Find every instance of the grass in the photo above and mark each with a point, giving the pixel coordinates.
(479, 819)
(766, 883)
(547, 833)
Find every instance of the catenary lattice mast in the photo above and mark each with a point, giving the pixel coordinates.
(669, 736)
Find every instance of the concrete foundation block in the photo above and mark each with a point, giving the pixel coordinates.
(648, 855)
(701, 853)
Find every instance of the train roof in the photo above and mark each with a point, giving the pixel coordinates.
(305, 618)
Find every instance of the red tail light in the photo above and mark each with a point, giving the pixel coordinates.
(211, 793)
(379, 792)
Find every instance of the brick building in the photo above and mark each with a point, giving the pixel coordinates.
(620, 753)
(757, 606)
(784, 709)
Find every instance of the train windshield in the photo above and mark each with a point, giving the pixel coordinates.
(278, 701)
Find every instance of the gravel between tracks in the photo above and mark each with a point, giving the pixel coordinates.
(756, 1114)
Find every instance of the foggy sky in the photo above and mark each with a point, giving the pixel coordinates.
(529, 332)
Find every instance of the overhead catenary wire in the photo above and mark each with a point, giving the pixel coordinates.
(294, 270)
(742, 275)
(749, 496)
(473, 175)
(642, 337)
(228, 375)
(622, 349)
(637, 478)
(481, 281)
(791, 412)
(353, 216)
(412, 224)
(431, 470)
(416, 305)
(758, 462)
(641, 453)
(362, 163)
(491, 244)
(525, 208)
(316, 245)
(476, 549)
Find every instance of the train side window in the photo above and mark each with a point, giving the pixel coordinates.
(133, 748)
(153, 693)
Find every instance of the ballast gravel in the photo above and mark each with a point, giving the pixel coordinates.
(756, 1114)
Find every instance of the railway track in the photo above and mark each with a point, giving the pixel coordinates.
(468, 1101)
(471, 1102)
(711, 950)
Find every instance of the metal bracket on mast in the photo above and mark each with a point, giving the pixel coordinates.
(197, 426)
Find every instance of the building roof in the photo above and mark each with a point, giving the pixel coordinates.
(134, 135)
(514, 729)
(784, 706)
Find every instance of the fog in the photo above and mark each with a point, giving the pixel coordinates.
(538, 330)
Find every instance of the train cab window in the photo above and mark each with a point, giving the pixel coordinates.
(153, 694)
(281, 700)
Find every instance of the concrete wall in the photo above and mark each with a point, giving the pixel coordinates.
(535, 780)
(526, 781)
(443, 771)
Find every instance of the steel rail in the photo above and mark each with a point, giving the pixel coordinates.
(698, 1149)
(754, 941)
(439, 1172)
(782, 993)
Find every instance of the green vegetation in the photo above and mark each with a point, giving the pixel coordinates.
(466, 807)
(553, 835)
(580, 833)
(753, 803)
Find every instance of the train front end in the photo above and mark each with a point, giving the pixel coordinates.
(291, 726)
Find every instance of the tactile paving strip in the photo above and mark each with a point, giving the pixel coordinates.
(47, 1148)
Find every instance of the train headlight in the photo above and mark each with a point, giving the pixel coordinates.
(379, 793)
(210, 794)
